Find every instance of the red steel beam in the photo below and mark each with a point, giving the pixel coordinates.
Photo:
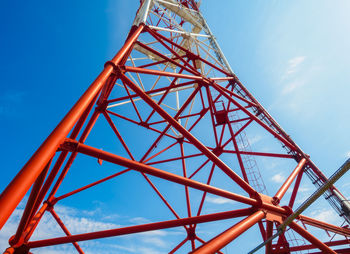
(230, 234)
(244, 185)
(151, 91)
(19, 186)
(73, 145)
(269, 231)
(325, 226)
(61, 158)
(295, 189)
(162, 73)
(310, 246)
(285, 186)
(65, 230)
(339, 251)
(142, 228)
(156, 34)
(266, 127)
(278, 155)
(30, 205)
(311, 238)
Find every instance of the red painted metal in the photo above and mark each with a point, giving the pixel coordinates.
(16, 190)
(280, 193)
(311, 238)
(141, 228)
(230, 234)
(216, 103)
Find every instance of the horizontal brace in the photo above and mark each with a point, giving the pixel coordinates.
(222, 78)
(173, 90)
(278, 155)
(311, 246)
(186, 66)
(176, 158)
(181, 117)
(142, 228)
(326, 226)
(179, 32)
(151, 92)
(72, 145)
(161, 73)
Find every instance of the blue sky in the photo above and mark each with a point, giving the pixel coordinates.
(293, 56)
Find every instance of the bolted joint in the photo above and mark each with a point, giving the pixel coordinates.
(180, 139)
(191, 233)
(116, 68)
(50, 204)
(144, 124)
(102, 107)
(192, 56)
(218, 151)
(288, 209)
(23, 249)
(275, 200)
(69, 145)
(258, 198)
(205, 82)
(110, 63)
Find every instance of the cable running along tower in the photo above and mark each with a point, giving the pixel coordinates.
(178, 128)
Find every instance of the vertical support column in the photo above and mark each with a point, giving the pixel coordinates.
(269, 228)
(19, 186)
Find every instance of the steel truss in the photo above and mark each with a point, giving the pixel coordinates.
(171, 80)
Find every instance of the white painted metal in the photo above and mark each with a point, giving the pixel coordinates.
(179, 32)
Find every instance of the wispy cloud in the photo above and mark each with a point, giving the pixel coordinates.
(278, 178)
(218, 200)
(139, 220)
(328, 215)
(290, 87)
(79, 221)
(347, 154)
(293, 66)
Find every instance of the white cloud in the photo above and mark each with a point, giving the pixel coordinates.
(219, 200)
(79, 221)
(290, 87)
(293, 65)
(253, 140)
(347, 154)
(139, 220)
(278, 178)
(327, 215)
(304, 189)
(154, 233)
(155, 241)
(147, 250)
(292, 68)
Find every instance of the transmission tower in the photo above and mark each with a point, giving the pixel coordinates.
(181, 123)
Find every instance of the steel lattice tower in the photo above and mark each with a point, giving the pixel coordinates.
(189, 121)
